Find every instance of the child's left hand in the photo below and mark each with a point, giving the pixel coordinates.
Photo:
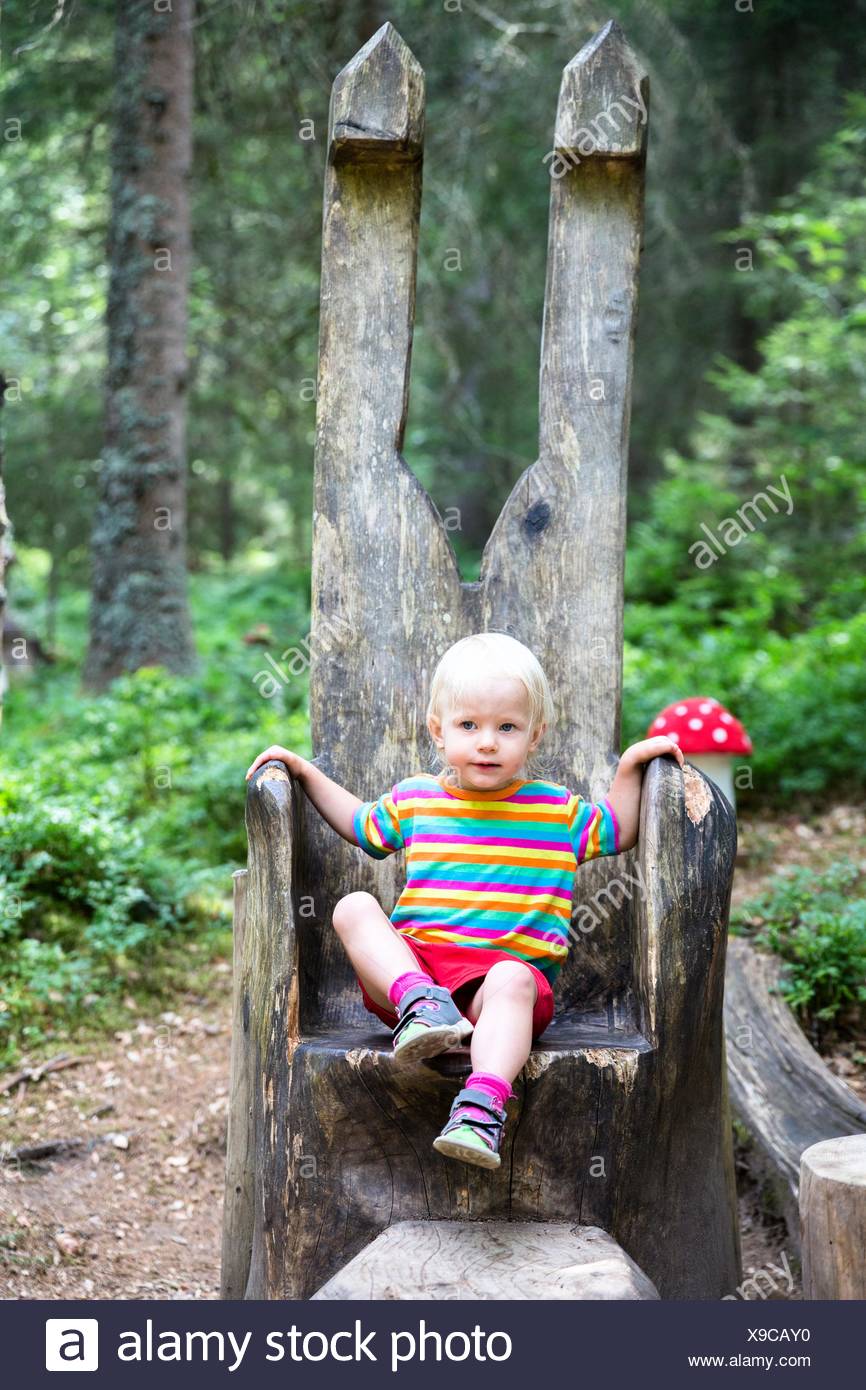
(650, 748)
(625, 791)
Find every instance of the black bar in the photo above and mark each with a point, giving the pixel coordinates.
(464, 1344)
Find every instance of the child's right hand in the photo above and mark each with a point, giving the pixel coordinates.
(284, 755)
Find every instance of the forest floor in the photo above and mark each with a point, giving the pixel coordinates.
(135, 1212)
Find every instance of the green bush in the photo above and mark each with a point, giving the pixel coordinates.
(774, 625)
(123, 812)
(82, 896)
(801, 698)
(816, 923)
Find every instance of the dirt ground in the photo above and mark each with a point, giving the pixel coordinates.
(134, 1212)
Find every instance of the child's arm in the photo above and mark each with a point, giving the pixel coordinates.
(337, 805)
(624, 794)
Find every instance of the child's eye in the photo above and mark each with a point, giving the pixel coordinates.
(464, 722)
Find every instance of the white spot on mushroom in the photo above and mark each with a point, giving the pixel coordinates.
(696, 723)
(706, 707)
(726, 718)
(674, 736)
(720, 735)
(660, 722)
(681, 709)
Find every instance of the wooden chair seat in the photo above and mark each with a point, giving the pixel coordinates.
(490, 1260)
(571, 1031)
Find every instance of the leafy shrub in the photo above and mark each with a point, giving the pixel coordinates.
(775, 625)
(82, 895)
(800, 698)
(123, 812)
(93, 866)
(816, 923)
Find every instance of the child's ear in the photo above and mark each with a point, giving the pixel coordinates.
(434, 724)
(537, 736)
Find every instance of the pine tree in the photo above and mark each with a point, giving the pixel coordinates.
(139, 612)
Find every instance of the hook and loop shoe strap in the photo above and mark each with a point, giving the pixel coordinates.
(470, 1095)
(412, 1007)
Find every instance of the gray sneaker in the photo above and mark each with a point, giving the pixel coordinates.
(429, 1023)
(473, 1130)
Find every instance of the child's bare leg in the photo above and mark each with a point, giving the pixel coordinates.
(373, 945)
(501, 1010)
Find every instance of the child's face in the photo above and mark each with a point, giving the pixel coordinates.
(487, 737)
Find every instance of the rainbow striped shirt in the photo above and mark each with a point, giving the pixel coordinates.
(493, 869)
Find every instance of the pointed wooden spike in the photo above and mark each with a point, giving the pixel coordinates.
(603, 102)
(558, 544)
(377, 101)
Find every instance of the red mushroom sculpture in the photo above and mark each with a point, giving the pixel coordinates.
(708, 734)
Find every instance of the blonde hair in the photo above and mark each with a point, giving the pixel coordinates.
(474, 659)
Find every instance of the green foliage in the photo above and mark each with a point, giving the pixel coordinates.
(774, 625)
(816, 922)
(82, 895)
(794, 424)
(164, 749)
(123, 813)
(800, 698)
(750, 585)
(803, 408)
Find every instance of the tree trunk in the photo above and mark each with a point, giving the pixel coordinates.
(139, 613)
(53, 594)
(227, 516)
(231, 375)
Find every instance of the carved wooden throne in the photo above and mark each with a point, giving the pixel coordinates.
(621, 1117)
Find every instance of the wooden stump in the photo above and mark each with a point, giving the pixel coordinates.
(833, 1218)
(490, 1260)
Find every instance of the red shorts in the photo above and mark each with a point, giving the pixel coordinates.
(453, 966)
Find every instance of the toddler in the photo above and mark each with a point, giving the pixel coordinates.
(481, 929)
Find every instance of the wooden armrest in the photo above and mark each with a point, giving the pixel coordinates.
(270, 958)
(686, 849)
(266, 1009)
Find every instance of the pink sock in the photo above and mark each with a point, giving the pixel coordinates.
(494, 1086)
(404, 982)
